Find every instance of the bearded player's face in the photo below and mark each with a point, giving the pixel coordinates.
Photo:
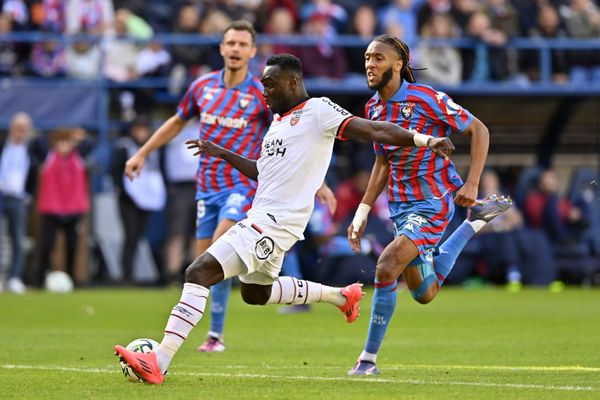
(379, 64)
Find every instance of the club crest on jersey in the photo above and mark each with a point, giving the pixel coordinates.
(295, 117)
(406, 109)
(244, 103)
(377, 111)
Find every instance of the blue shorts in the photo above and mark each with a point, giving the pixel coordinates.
(230, 204)
(423, 222)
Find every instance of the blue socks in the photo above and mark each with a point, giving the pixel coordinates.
(219, 294)
(384, 303)
(449, 251)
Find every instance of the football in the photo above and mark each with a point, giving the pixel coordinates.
(58, 282)
(138, 346)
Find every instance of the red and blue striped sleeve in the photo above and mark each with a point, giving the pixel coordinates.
(444, 108)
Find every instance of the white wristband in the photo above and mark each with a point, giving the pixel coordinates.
(360, 217)
(421, 140)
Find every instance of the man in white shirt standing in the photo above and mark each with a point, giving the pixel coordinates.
(294, 158)
(17, 175)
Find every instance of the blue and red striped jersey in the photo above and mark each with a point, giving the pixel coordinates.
(416, 173)
(235, 118)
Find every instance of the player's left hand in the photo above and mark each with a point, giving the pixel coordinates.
(441, 146)
(325, 196)
(466, 195)
(204, 146)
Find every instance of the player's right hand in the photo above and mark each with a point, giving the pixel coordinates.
(441, 146)
(204, 146)
(354, 237)
(133, 166)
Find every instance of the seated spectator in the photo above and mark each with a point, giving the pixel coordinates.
(18, 11)
(562, 221)
(335, 15)
(48, 59)
(92, 16)
(426, 9)
(443, 64)
(10, 63)
(364, 25)
(400, 12)
(489, 59)
(322, 60)
(83, 60)
(213, 24)
(63, 196)
(120, 54)
(18, 173)
(187, 58)
(548, 27)
(582, 19)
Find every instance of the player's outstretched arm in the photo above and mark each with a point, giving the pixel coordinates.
(480, 143)
(377, 182)
(167, 131)
(242, 164)
(388, 133)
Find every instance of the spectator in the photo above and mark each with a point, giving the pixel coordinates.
(10, 63)
(18, 11)
(48, 59)
(364, 25)
(488, 60)
(545, 210)
(63, 196)
(180, 173)
(333, 14)
(213, 24)
(90, 16)
(280, 23)
(83, 60)
(186, 57)
(548, 27)
(443, 64)
(427, 9)
(137, 199)
(322, 60)
(582, 19)
(400, 12)
(17, 185)
(51, 15)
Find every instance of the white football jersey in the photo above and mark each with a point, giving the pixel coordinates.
(294, 158)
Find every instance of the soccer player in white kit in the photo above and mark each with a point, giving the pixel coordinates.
(294, 158)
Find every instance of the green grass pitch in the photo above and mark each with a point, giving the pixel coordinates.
(479, 344)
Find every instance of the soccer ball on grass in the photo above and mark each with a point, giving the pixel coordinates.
(139, 346)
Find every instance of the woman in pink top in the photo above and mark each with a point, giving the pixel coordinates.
(63, 196)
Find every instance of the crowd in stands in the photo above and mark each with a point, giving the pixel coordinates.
(548, 236)
(489, 24)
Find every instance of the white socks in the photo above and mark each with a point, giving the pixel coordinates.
(184, 316)
(288, 290)
(364, 356)
(476, 225)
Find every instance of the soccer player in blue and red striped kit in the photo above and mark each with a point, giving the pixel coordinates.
(422, 188)
(232, 112)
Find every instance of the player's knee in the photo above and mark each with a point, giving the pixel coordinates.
(200, 271)
(254, 297)
(385, 272)
(425, 298)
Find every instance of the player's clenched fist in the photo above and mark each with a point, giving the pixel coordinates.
(204, 146)
(133, 166)
(441, 146)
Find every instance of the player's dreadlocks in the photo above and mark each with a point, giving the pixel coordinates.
(403, 52)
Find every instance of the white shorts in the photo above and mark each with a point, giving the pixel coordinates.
(253, 251)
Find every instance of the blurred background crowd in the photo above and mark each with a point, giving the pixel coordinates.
(65, 204)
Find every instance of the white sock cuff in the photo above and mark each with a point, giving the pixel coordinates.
(476, 225)
(196, 290)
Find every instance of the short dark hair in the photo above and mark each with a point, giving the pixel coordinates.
(242, 25)
(286, 62)
(403, 53)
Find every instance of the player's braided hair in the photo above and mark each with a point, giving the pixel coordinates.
(406, 73)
